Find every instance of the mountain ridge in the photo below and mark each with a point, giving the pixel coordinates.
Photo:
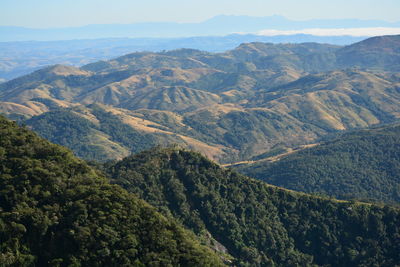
(257, 223)
(360, 164)
(244, 102)
(56, 210)
(21, 58)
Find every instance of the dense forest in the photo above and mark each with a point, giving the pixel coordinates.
(55, 210)
(363, 164)
(259, 224)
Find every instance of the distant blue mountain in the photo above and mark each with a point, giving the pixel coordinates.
(217, 26)
(253, 24)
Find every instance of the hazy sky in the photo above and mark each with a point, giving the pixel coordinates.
(59, 13)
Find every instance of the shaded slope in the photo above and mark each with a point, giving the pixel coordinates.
(55, 210)
(379, 53)
(363, 164)
(84, 137)
(260, 225)
(102, 133)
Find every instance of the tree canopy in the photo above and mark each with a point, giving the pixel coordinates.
(259, 224)
(55, 210)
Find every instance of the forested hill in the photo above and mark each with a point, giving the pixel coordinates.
(364, 164)
(57, 211)
(259, 224)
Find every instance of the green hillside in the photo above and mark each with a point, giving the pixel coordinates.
(101, 133)
(107, 139)
(362, 165)
(57, 211)
(260, 225)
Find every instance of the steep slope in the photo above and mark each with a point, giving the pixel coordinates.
(336, 100)
(84, 136)
(52, 87)
(103, 133)
(363, 164)
(306, 57)
(173, 98)
(57, 211)
(56, 82)
(379, 53)
(142, 81)
(260, 225)
(241, 103)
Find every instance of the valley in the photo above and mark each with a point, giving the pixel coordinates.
(232, 106)
(199, 133)
(172, 206)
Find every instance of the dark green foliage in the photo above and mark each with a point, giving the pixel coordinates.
(65, 128)
(122, 133)
(260, 225)
(246, 130)
(57, 211)
(363, 165)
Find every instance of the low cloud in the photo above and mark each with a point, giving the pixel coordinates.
(335, 32)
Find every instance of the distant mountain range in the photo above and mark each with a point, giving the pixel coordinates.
(217, 26)
(20, 58)
(230, 106)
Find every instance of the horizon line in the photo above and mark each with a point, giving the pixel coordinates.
(199, 22)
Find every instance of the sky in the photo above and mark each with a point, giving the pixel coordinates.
(67, 13)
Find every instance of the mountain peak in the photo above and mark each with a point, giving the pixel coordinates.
(380, 42)
(381, 52)
(225, 17)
